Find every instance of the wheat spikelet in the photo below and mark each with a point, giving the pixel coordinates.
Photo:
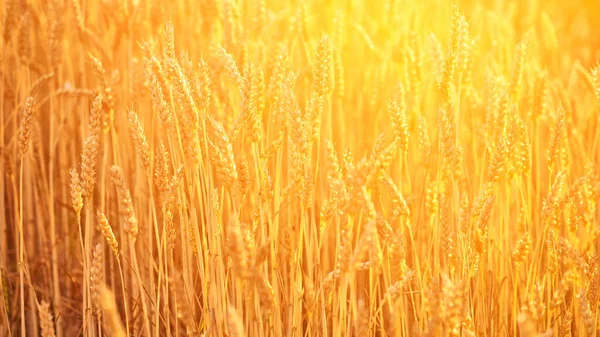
(78, 15)
(125, 203)
(265, 291)
(244, 176)
(337, 186)
(56, 31)
(565, 328)
(596, 83)
(168, 204)
(170, 196)
(280, 69)
(257, 101)
(205, 84)
(447, 240)
(25, 126)
(594, 286)
(238, 251)
(107, 232)
(523, 149)
(46, 320)
(162, 169)
(169, 34)
(344, 249)
(232, 24)
(139, 140)
(445, 82)
(451, 306)
(96, 114)
(519, 64)
(89, 160)
(535, 305)
(557, 134)
(309, 295)
(498, 162)
(522, 249)
(398, 117)
(24, 39)
(450, 151)
(231, 67)
(9, 16)
(222, 154)
(96, 278)
(395, 290)
(159, 93)
(588, 316)
(323, 70)
(260, 16)
(424, 141)
(98, 70)
(380, 160)
(76, 192)
(186, 112)
(299, 27)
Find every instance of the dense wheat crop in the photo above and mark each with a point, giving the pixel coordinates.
(299, 168)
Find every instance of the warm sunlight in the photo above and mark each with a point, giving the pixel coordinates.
(301, 168)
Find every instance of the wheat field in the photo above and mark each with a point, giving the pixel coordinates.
(300, 168)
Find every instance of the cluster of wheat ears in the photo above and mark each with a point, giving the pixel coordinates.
(299, 168)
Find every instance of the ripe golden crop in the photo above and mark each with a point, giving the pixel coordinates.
(299, 168)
